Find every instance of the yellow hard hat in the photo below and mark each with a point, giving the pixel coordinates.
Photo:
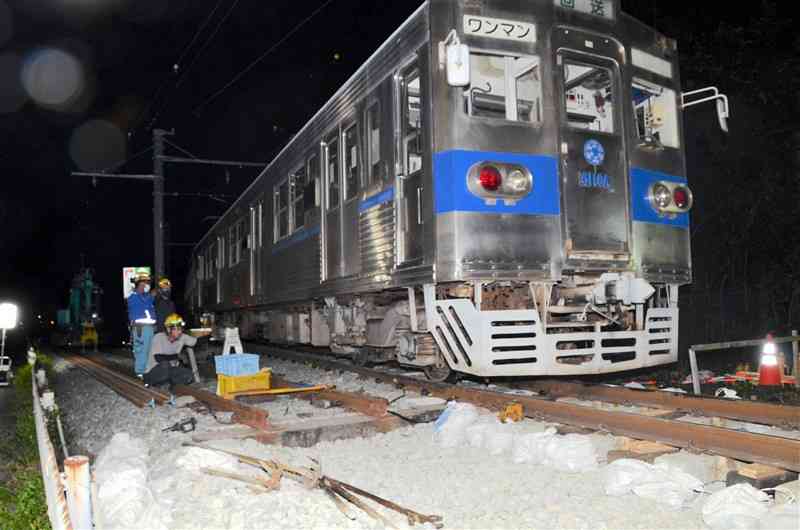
(174, 320)
(141, 277)
(164, 283)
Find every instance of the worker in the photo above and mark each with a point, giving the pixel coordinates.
(163, 364)
(141, 317)
(163, 303)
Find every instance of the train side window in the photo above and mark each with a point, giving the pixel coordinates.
(374, 143)
(412, 121)
(311, 193)
(211, 261)
(656, 114)
(298, 202)
(589, 97)
(333, 174)
(281, 210)
(232, 245)
(242, 243)
(504, 87)
(351, 165)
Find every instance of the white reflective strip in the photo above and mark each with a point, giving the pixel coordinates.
(651, 63)
(769, 360)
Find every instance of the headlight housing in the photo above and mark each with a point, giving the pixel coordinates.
(670, 197)
(499, 180)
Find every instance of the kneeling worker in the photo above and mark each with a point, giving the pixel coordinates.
(162, 364)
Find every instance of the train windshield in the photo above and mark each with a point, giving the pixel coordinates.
(504, 87)
(589, 97)
(656, 114)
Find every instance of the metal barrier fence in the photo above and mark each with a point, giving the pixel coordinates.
(68, 504)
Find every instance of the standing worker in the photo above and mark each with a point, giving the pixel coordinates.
(141, 317)
(163, 303)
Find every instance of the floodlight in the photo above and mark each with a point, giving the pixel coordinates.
(8, 316)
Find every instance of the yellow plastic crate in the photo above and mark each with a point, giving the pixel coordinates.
(230, 384)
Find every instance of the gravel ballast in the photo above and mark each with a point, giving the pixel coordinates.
(468, 486)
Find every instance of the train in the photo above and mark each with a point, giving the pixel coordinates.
(500, 190)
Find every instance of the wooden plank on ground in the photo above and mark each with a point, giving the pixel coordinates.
(251, 416)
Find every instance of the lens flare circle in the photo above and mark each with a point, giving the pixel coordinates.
(53, 77)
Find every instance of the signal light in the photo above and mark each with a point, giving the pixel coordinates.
(490, 178)
(681, 197)
(669, 198)
(499, 181)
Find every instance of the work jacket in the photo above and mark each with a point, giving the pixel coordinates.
(164, 308)
(138, 304)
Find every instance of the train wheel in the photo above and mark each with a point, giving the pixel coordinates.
(439, 372)
(360, 357)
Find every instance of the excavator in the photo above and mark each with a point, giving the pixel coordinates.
(77, 324)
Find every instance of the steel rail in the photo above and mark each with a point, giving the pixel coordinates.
(126, 386)
(755, 412)
(138, 399)
(138, 385)
(772, 450)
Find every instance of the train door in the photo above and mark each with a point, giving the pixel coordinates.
(592, 152)
(255, 244)
(351, 183)
(332, 226)
(409, 165)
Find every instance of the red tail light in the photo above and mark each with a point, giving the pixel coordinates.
(490, 178)
(681, 198)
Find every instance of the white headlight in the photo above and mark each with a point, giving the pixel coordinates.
(517, 181)
(661, 196)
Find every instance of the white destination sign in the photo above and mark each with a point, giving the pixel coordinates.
(598, 8)
(498, 28)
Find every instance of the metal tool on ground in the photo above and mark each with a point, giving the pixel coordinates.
(184, 426)
(257, 384)
(312, 478)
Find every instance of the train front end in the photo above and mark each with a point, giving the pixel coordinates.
(560, 191)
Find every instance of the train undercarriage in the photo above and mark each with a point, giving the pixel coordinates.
(580, 325)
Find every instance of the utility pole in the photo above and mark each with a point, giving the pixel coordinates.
(158, 187)
(158, 200)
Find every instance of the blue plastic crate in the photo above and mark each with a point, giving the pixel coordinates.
(236, 364)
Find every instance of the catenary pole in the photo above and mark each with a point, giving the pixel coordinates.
(158, 200)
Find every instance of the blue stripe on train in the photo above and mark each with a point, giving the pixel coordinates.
(300, 235)
(452, 195)
(375, 200)
(642, 210)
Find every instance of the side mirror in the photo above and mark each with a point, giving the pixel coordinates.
(723, 113)
(454, 56)
(458, 73)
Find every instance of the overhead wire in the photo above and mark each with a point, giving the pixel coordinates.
(261, 57)
(185, 72)
(206, 44)
(186, 49)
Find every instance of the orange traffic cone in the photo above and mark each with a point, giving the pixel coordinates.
(769, 373)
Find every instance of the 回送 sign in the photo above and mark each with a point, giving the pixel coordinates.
(598, 8)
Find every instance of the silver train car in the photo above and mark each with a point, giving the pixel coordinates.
(500, 190)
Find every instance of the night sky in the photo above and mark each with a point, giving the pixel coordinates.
(132, 66)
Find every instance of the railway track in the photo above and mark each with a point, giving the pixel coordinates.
(750, 447)
(746, 446)
(128, 387)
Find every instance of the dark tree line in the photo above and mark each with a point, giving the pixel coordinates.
(745, 240)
